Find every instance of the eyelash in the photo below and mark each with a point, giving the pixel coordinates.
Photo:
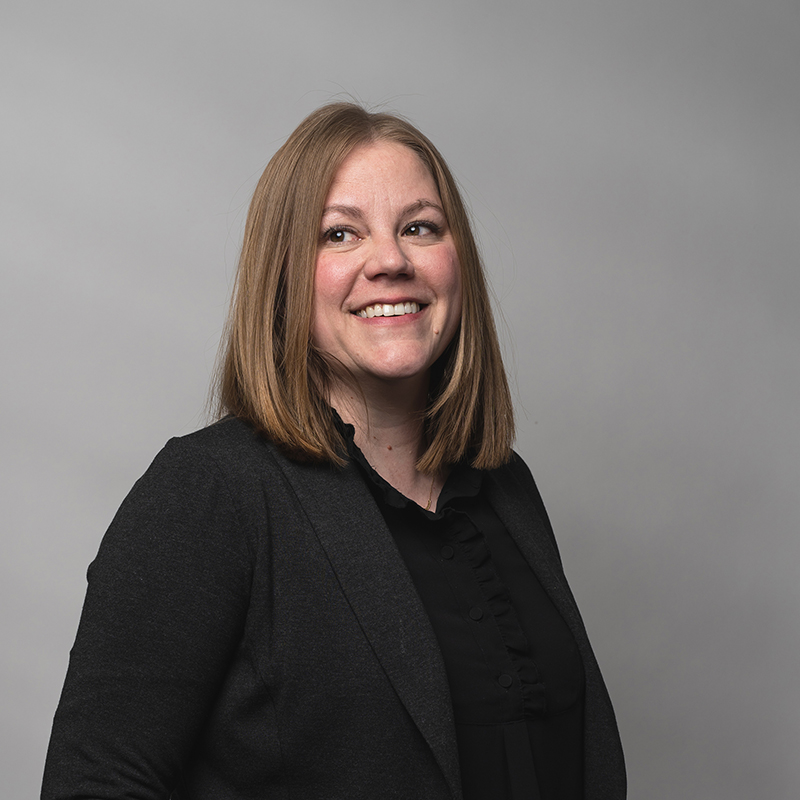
(326, 236)
(420, 223)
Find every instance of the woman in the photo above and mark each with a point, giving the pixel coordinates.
(347, 587)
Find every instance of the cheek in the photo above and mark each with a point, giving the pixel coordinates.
(322, 280)
(332, 286)
(332, 281)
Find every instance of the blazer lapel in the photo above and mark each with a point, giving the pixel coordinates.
(516, 501)
(373, 577)
(515, 504)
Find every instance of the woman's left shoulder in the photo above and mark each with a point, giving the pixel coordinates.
(514, 472)
(512, 484)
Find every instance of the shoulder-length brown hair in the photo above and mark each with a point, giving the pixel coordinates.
(271, 375)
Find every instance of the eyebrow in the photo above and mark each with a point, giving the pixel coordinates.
(422, 204)
(354, 211)
(347, 211)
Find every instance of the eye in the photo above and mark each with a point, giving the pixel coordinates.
(421, 229)
(338, 236)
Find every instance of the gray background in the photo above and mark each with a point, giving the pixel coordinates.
(634, 173)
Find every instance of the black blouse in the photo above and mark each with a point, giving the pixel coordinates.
(516, 677)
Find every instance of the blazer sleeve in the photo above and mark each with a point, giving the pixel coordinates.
(164, 612)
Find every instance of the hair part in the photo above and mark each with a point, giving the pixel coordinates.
(271, 375)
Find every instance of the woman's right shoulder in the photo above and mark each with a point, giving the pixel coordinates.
(228, 448)
(225, 472)
(228, 439)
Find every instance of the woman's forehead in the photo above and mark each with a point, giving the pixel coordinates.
(379, 169)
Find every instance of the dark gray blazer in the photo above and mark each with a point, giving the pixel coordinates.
(251, 631)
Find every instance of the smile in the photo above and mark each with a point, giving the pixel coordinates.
(388, 310)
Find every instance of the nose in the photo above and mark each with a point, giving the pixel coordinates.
(387, 258)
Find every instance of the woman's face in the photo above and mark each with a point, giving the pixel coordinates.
(387, 285)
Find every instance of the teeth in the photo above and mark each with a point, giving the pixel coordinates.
(387, 310)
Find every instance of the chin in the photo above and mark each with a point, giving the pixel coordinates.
(396, 372)
(397, 366)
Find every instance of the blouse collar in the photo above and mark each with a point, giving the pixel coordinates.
(463, 480)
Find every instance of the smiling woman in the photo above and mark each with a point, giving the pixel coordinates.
(347, 586)
(376, 256)
(332, 165)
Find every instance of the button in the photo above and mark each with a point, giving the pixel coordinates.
(505, 681)
(476, 613)
(447, 552)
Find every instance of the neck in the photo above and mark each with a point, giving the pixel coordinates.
(389, 431)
